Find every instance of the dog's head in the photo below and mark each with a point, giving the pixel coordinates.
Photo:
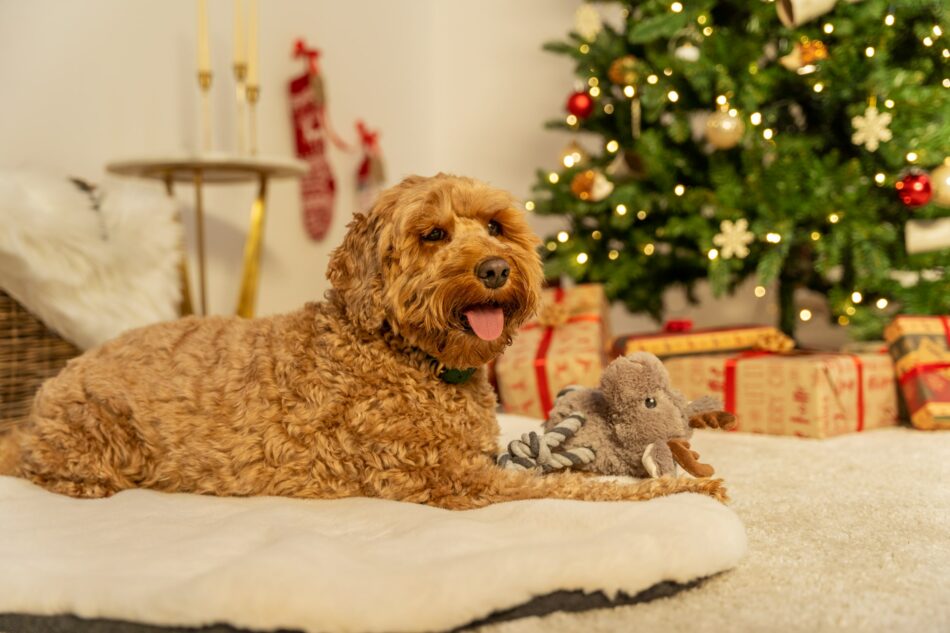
(448, 263)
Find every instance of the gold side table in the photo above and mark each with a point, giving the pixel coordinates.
(218, 169)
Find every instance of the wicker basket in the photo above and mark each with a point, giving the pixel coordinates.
(30, 353)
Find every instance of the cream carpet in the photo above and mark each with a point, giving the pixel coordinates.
(845, 534)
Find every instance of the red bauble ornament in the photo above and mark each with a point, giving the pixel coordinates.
(580, 104)
(914, 189)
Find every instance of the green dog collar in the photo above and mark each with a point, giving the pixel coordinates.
(454, 376)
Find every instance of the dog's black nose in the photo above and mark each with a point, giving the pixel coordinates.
(493, 272)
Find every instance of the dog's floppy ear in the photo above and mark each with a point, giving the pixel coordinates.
(355, 273)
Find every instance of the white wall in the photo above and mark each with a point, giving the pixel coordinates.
(454, 85)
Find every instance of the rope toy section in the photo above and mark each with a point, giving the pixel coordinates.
(544, 452)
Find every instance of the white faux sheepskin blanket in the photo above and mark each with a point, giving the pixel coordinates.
(88, 274)
(347, 565)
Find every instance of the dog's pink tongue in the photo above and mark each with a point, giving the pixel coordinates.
(487, 323)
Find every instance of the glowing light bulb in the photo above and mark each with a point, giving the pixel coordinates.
(818, 87)
(869, 51)
(712, 254)
(946, 53)
(928, 41)
(582, 258)
(629, 91)
(755, 118)
(911, 157)
(767, 134)
(708, 31)
(563, 236)
(857, 297)
(553, 178)
(613, 254)
(759, 291)
(668, 72)
(529, 205)
(828, 28)
(552, 246)
(593, 81)
(879, 178)
(679, 190)
(648, 249)
(621, 209)
(673, 96)
(815, 236)
(641, 215)
(594, 91)
(568, 161)
(571, 119)
(834, 218)
(881, 303)
(608, 108)
(843, 320)
(946, 83)
(652, 79)
(676, 7)
(889, 19)
(733, 112)
(721, 100)
(937, 30)
(888, 103)
(773, 238)
(805, 314)
(612, 146)
(701, 19)
(596, 235)
(850, 310)
(584, 49)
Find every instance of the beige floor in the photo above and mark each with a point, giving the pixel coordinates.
(845, 534)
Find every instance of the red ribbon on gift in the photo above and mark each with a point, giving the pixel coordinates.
(540, 358)
(729, 386)
(676, 326)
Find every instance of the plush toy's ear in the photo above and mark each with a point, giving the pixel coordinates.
(355, 273)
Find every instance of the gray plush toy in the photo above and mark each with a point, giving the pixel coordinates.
(635, 424)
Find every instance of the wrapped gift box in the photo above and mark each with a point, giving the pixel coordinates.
(679, 339)
(566, 346)
(804, 394)
(920, 347)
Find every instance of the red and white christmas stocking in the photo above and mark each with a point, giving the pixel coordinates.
(308, 106)
(370, 174)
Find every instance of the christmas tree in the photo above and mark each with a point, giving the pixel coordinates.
(787, 140)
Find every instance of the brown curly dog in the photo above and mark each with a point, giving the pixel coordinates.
(363, 394)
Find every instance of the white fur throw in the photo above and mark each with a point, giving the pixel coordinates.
(345, 565)
(88, 274)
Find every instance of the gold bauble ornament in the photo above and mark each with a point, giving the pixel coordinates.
(574, 155)
(813, 51)
(723, 130)
(591, 185)
(940, 183)
(804, 55)
(623, 71)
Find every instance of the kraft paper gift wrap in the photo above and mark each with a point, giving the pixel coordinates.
(566, 346)
(805, 394)
(920, 347)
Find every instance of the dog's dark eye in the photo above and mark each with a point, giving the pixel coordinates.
(435, 235)
(494, 228)
(650, 403)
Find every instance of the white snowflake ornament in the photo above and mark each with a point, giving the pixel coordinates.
(587, 22)
(734, 238)
(871, 129)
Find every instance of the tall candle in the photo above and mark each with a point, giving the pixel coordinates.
(204, 48)
(252, 62)
(240, 45)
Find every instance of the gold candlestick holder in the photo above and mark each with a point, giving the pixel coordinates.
(240, 76)
(253, 94)
(204, 82)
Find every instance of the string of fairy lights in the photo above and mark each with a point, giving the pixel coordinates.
(725, 128)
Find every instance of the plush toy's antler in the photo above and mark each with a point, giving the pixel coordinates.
(713, 420)
(688, 458)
